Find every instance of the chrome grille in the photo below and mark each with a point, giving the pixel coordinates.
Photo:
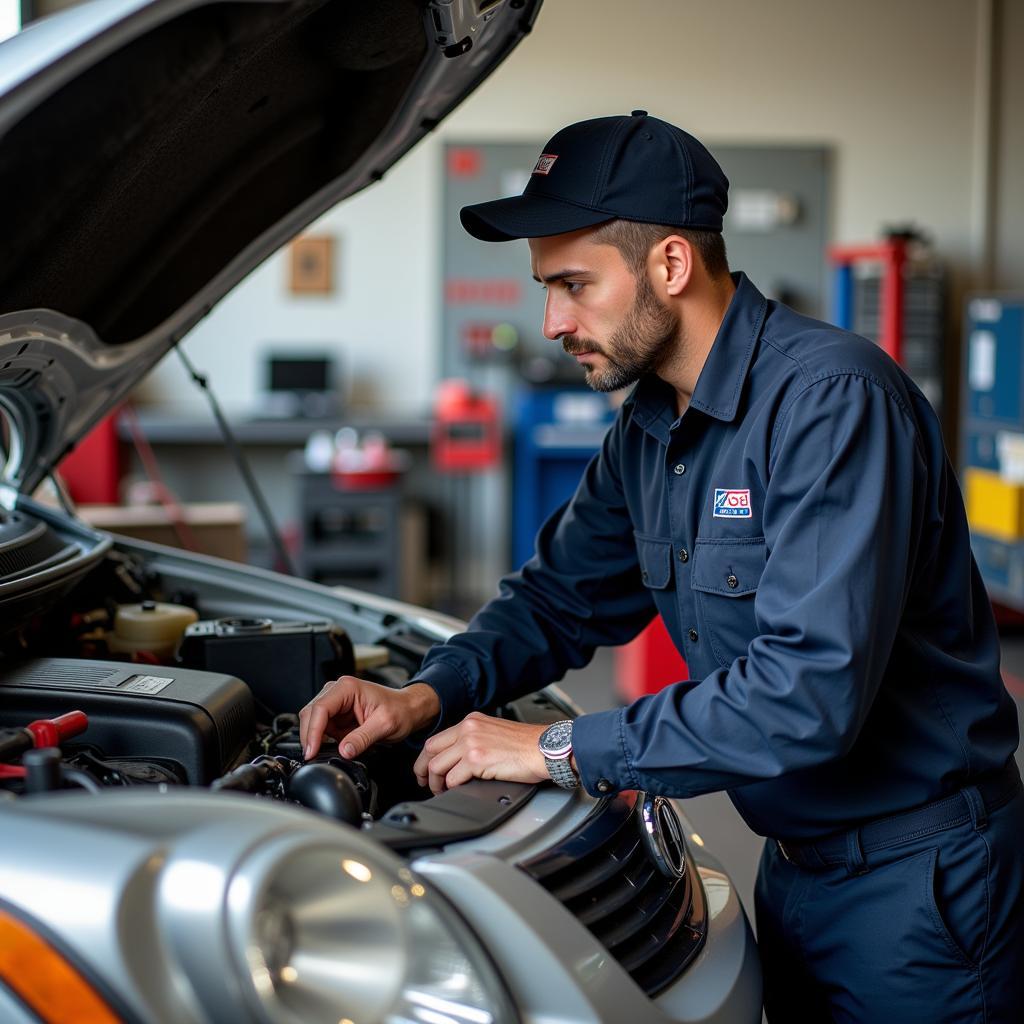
(653, 925)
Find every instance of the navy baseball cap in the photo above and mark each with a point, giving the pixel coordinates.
(634, 168)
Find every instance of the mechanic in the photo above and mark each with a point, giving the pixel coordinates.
(778, 490)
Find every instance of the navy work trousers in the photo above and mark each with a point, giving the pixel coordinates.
(930, 929)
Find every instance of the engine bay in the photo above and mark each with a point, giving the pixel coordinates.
(168, 725)
(131, 679)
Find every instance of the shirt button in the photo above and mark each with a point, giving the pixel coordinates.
(732, 582)
(643, 575)
(603, 786)
(679, 469)
(684, 555)
(693, 636)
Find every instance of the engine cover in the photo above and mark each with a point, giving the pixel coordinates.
(203, 720)
(284, 664)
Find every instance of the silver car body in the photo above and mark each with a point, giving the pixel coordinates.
(179, 904)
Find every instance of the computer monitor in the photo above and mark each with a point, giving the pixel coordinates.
(300, 384)
(299, 373)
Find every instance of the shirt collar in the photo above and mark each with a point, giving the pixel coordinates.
(721, 380)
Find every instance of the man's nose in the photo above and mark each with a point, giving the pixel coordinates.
(557, 320)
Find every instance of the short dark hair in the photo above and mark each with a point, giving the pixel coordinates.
(634, 240)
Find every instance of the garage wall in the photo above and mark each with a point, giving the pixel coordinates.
(1008, 213)
(891, 85)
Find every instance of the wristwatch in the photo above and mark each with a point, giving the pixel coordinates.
(556, 745)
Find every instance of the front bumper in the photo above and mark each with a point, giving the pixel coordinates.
(557, 971)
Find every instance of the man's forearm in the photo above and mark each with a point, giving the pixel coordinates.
(424, 705)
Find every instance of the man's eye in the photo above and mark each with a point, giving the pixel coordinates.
(573, 287)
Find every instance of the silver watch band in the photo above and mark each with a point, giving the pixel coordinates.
(562, 773)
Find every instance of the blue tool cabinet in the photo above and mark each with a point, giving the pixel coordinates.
(556, 434)
(992, 404)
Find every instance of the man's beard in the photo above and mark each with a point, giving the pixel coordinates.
(639, 345)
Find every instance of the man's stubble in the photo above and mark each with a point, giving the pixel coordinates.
(644, 340)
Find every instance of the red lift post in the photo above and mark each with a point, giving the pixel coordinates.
(892, 255)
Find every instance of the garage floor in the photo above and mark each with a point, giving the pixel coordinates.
(713, 816)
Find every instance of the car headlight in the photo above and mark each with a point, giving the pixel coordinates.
(321, 932)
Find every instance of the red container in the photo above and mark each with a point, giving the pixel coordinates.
(92, 472)
(648, 663)
(466, 434)
(365, 480)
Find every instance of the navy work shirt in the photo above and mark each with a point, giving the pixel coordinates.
(801, 532)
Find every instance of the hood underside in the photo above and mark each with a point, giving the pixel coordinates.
(210, 126)
(152, 164)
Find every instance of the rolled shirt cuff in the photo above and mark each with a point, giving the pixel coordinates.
(598, 745)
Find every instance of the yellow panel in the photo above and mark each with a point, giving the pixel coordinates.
(994, 507)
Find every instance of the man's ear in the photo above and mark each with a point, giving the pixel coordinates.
(674, 264)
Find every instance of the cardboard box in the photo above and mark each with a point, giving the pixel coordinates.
(218, 528)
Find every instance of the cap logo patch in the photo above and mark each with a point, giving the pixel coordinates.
(544, 163)
(731, 503)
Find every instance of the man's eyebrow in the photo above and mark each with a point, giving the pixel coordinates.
(560, 276)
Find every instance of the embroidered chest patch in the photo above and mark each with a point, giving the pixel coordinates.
(731, 503)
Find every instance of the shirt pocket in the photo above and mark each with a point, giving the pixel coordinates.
(655, 557)
(725, 575)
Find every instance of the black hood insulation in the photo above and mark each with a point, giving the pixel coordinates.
(28, 545)
(216, 124)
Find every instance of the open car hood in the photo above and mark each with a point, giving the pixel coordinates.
(154, 153)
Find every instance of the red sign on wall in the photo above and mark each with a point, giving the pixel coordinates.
(464, 291)
(477, 339)
(464, 163)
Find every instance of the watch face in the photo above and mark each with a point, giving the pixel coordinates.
(556, 739)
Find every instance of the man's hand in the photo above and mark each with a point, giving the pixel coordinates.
(480, 747)
(363, 713)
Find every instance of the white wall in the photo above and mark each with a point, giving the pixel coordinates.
(380, 319)
(10, 18)
(890, 85)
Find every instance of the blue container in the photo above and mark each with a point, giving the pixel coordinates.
(992, 402)
(994, 364)
(556, 434)
(1002, 568)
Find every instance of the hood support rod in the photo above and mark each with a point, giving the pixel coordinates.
(242, 463)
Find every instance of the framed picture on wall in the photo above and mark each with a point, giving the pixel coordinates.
(311, 265)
